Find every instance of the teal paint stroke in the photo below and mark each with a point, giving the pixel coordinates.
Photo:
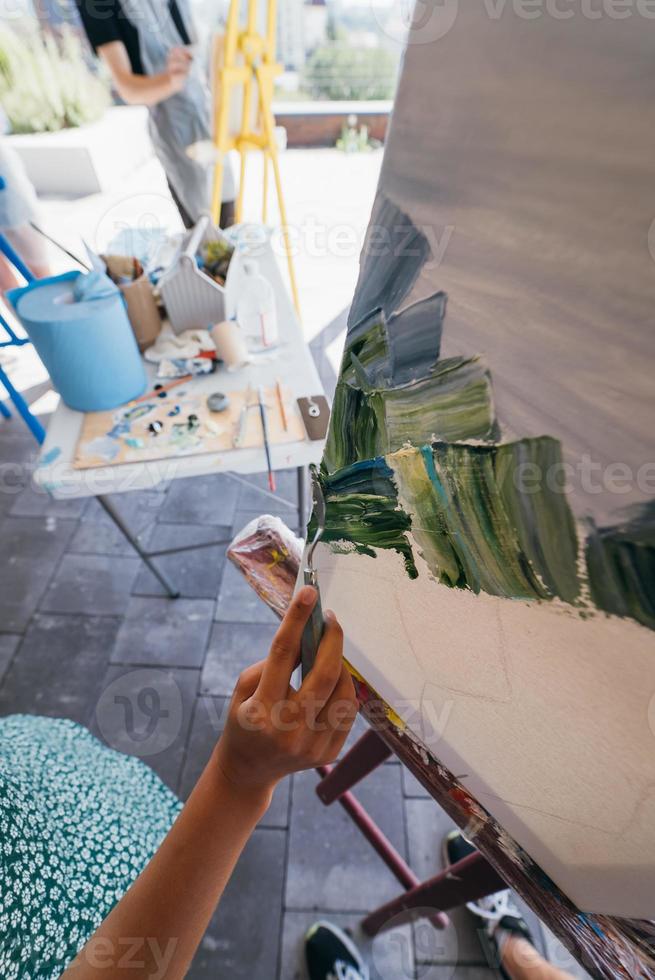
(362, 512)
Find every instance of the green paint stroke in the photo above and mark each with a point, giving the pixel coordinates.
(370, 417)
(362, 512)
(621, 567)
(453, 403)
(481, 523)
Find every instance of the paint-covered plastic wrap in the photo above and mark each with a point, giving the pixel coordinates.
(269, 555)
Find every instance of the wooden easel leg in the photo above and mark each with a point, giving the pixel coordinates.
(367, 754)
(469, 879)
(382, 845)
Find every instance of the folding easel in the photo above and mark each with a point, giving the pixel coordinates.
(243, 60)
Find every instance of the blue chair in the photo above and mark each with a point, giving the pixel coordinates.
(17, 399)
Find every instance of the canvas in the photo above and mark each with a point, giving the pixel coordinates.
(490, 469)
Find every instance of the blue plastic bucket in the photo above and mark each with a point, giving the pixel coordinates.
(88, 347)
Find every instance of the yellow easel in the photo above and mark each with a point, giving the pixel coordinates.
(245, 59)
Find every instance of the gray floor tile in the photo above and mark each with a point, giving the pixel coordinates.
(232, 647)
(201, 500)
(8, 644)
(59, 667)
(389, 956)
(412, 788)
(97, 534)
(197, 573)
(36, 537)
(8, 493)
(164, 632)
(91, 584)
(17, 458)
(16, 440)
(330, 864)
(23, 581)
(208, 721)
(250, 499)
(243, 938)
(239, 603)
(34, 501)
(146, 711)
(459, 943)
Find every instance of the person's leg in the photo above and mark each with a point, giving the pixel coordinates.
(521, 961)
(31, 248)
(507, 936)
(184, 214)
(226, 217)
(8, 278)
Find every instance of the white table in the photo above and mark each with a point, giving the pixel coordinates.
(291, 362)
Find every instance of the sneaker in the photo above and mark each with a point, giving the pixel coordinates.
(332, 955)
(498, 912)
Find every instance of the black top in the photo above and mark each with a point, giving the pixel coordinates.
(105, 21)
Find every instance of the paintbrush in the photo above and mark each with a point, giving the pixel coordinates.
(156, 392)
(280, 399)
(267, 448)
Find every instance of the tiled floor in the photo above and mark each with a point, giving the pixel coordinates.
(84, 629)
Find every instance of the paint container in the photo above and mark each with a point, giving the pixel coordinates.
(139, 298)
(230, 343)
(87, 345)
(256, 312)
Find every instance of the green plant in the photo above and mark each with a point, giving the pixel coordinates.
(338, 71)
(355, 139)
(45, 84)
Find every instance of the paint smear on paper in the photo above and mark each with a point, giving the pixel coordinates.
(104, 447)
(621, 567)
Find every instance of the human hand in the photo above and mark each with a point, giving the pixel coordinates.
(178, 65)
(272, 729)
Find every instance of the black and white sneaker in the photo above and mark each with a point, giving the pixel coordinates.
(332, 955)
(498, 913)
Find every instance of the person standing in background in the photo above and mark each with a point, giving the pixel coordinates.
(146, 47)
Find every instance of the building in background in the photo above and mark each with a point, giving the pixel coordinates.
(315, 19)
(290, 34)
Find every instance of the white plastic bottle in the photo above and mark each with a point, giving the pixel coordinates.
(256, 314)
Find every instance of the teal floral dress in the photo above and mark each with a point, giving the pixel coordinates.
(78, 822)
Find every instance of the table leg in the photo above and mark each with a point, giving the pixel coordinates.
(106, 503)
(302, 499)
